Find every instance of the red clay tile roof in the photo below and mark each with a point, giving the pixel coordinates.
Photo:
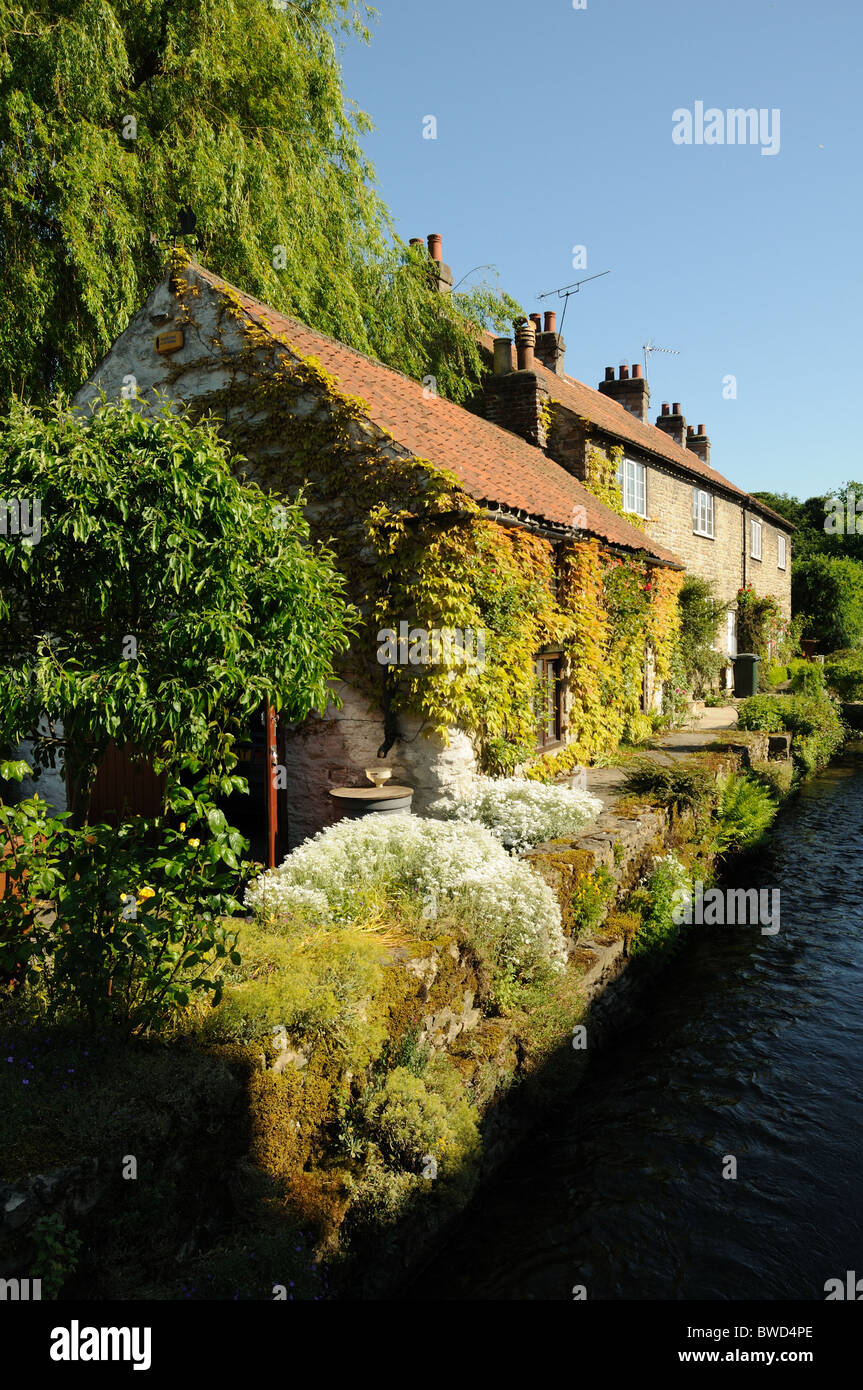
(611, 416)
(495, 467)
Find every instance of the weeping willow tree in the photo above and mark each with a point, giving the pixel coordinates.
(115, 113)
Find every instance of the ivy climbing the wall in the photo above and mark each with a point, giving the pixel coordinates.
(416, 549)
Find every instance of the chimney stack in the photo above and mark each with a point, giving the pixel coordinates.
(672, 423)
(698, 442)
(630, 391)
(550, 348)
(443, 271)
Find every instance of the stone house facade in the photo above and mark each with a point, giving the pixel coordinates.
(198, 340)
(719, 532)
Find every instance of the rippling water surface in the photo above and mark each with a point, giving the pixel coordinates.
(747, 1045)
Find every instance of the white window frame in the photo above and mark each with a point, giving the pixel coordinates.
(703, 513)
(755, 539)
(781, 552)
(632, 480)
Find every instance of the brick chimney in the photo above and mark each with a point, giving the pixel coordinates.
(698, 442)
(632, 392)
(550, 347)
(515, 400)
(444, 273)
(672, 422)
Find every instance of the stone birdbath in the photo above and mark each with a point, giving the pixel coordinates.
(380, 799)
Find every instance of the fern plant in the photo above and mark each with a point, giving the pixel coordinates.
(746, 812)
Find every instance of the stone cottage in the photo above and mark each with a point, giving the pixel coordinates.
(387, 467)
(663, 469)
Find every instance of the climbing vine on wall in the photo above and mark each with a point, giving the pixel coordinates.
(600, 478)
(417, 549)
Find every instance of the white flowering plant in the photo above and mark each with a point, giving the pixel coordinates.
(440, 865)
(519, 813)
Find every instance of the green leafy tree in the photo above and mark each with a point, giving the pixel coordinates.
(116, 113)
(828, 592)
(807, 517)
(162, 600)
(826, 525)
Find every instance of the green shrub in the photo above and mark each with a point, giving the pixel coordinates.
(764, 712)
(700, 615)
(681, 786)
(777, 675)
(844, 674)
(139, 927)
(639, 729)
(808, 679)
(315, 988)
(56, 1252)
(776, 776)
(828, 592)
(758, 616)
(814, 722)
(415, 1119)
(746, 812)
(655, 900)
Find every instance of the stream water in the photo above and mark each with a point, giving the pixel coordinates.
(748, 1045)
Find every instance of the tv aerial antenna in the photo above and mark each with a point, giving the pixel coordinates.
(567, 291)
(650, 347)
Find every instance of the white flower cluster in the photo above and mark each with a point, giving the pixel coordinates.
(518, 812)
(288, 897)
(512, 907)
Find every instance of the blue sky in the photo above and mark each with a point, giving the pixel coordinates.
(554, 130)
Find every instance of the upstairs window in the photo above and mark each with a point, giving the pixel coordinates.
(780, 552)
(755, 539)
(702, 512)
(632, 479)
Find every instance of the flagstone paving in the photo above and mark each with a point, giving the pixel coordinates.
(606, 782)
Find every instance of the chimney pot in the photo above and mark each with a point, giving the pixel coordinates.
(550, 321)
(624, 372)
(609, 374)
(502, 356)
(665, 410)
(417, 241)
(435, 245)
(698, 442)
(536, 320)
(690, 429)
(677, 410)
(525, 343)
(636, 371)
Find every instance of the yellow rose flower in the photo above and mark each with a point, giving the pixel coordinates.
(196, 844)
(182, 825)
